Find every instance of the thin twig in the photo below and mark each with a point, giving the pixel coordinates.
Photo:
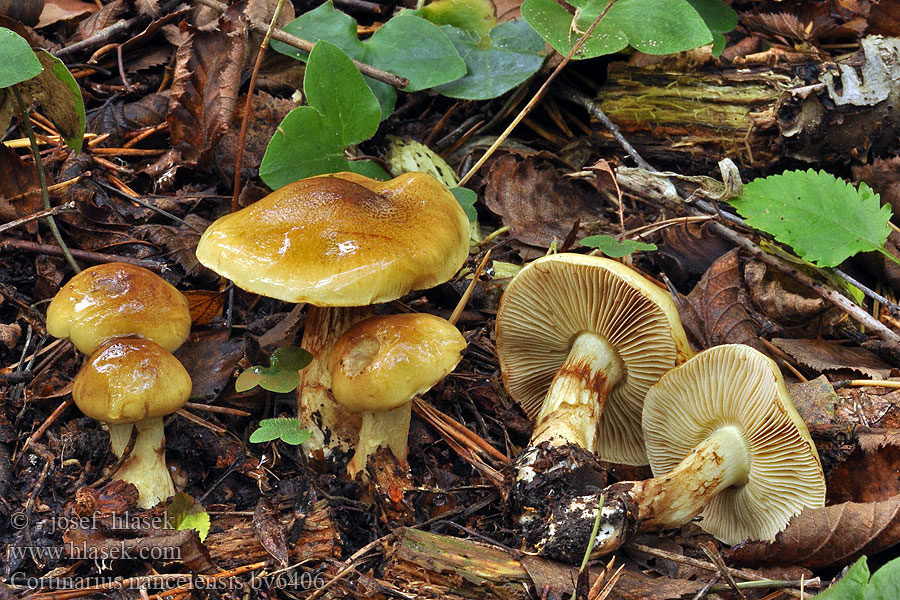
(461, 305)
(85, 255)
(146, 204)
(42, 178)
(292, 40)
(248, 106)
(538, 96)
(38, 215)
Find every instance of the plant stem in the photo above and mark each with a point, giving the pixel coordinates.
(248, 105)
(42, 178)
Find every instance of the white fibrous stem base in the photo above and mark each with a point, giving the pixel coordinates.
(145, 467)
(575, 400)
(388, 428)
(672, 500)
(332, 426)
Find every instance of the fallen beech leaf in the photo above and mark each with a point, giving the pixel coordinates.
(718, 309)
(18, 178)
(815, 400)
(103, 18)
(205, 305)
(830, 536)
(824, 356)
(210, 359)
(64, 10)
(686, 251)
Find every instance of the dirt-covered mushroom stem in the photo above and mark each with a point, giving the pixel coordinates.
(725, 443)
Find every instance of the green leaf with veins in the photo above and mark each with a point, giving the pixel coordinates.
(290, 430)
(823, 219)
(650, 26)
(342, 112)
(282, 374)
(612, 247)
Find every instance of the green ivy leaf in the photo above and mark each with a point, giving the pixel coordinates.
(612, 247)
(311, 139)
(186, 513)
(19, 62)
(651, 26)
(281, 376)
(289, 430)
(407, 45)
(496, 63)
(825, 220)
(719, 18)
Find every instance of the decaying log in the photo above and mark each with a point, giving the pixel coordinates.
(692, 113)
(237, 544)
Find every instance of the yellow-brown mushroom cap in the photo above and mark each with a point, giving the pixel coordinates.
(130, 379)
(118, 299)
(554, 299)
(341, 240)
(382, 362)
(737, 386)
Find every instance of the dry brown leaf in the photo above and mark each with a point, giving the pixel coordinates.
(781, 298)
(718, 309)
(179, 243)
(203, 99)
(884, 19)
(815, 400)
(103, 18)
(210, 359)
(26, 11)
(537, 204)
(830, 536)
(205, 305)
(270, 532)
(18, 178)
(64, 10)
(687, 250)
(823, 356)
(866, 475)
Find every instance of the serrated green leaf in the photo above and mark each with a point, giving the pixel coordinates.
(496, 63)
(289, 430)
(186, 513)
(823, 219)
(885, 583)
(472, 16)
(406, 45)
(466, 199)
(651, 26)
(613, 248)
(19, 62)
(311, 139)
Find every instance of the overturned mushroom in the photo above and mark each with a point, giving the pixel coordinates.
(130, 383)
(724, 442)
(380, 364)
(580, 341)
(340, 240)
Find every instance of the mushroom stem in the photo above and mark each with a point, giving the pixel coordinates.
(574, 402)
(316, 407)
(146, 466)
(675, 498)
(386, 428)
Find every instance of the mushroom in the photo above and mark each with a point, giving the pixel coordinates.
(380, 364)
(115, 299)
(340, 240)
(580, 341)
(134, 382)
(724, 442)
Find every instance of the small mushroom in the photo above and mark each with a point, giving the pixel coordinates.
(724, 442)
(580, 341)
(340, 240)
(380, 364)
(134, 382)
(117, 299)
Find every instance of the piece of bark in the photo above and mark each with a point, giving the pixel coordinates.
(237, 544)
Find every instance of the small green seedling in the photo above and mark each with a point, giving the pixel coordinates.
(823, 219)
(613, 248)
(38, 75)
(290, 430)
(186, 513)
(281, 376)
